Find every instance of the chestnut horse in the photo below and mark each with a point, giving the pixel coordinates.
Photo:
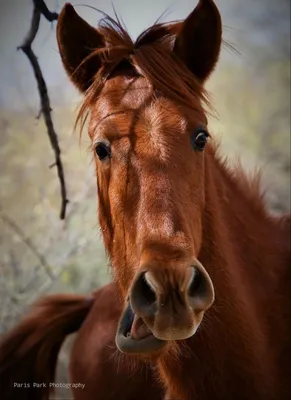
(203, 269)
(28, 354)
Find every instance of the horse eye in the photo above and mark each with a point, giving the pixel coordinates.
(199, 140)
(102, 151)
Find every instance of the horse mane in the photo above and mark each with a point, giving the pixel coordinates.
(150, 56)
(248, 184)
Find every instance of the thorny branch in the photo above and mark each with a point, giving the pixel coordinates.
(39, 9)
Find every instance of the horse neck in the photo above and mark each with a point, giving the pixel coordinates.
(247, 254)
(237, 229)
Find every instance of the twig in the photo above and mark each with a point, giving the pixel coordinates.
(41, 8)
(39, 114)
(28, 242)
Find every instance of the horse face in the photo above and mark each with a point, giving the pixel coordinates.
(150, 150)
(150, 168)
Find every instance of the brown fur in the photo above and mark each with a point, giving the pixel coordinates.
(163, 205)
(95, 360)
(36, 341)
(160, 202)
(29, 352)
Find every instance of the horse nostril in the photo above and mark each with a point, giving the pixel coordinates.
(200, 290)
(196, 284)
(147, 291)
(143, 297)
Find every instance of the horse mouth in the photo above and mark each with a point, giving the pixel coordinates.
(134, 336)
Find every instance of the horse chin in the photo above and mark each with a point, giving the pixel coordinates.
(134, 337)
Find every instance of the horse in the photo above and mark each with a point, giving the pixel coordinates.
(202, 267)
(29, 353)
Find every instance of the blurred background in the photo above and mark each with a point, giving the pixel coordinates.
(250, 89)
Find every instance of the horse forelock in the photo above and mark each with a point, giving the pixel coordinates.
(150, 57)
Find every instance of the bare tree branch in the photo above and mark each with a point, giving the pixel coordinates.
(8, 221)
(29, 38)
(41, 8)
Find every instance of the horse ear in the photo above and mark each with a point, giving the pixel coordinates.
(76, 41)
(199, 40)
